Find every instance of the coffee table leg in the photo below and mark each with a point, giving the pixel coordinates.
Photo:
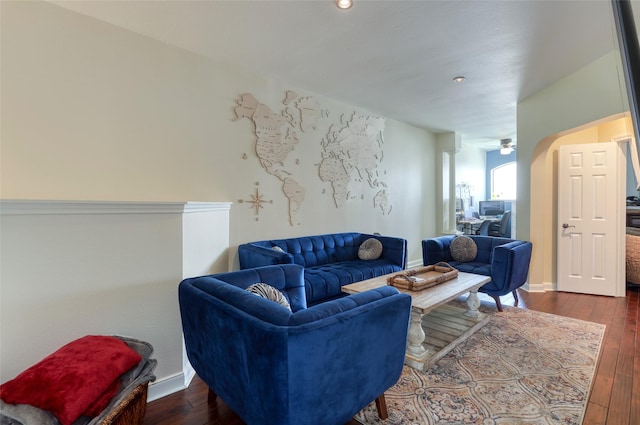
(473, 302)
(416, 336)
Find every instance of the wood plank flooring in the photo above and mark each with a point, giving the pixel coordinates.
(614, 400)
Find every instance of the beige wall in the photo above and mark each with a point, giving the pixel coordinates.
(545, 169)
(91, 111)
(589, 97)
(94, 112)
(71, 269)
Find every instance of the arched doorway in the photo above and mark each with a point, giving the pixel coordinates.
(544, 166)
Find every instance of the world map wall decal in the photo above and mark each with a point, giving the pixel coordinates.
(350, 156)
(353, 151)
(273, 145)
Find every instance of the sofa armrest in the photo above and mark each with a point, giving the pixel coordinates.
(393, 249)
(287, 278)
(435, 250)
(359, 351)
(252, 255)
(331, 308)
(356, 344)
(234, 341)
(510, 266)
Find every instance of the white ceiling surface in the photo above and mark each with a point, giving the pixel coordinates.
(393, 58)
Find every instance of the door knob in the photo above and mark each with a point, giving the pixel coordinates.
(566, 226)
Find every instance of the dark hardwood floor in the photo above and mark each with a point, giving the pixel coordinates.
(614, 399)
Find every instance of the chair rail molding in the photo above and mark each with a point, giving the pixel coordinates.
(28, 206)
(71, 268)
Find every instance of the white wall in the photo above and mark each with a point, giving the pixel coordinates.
(632, 181)
(93, 112)
(588, 95)
(471, 164)
(71, 269)
(574, 103)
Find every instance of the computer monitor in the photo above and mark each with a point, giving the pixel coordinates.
(491, 207)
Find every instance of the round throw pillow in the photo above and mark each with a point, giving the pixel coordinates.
(370, 249)
(269, 292)
(463, 249)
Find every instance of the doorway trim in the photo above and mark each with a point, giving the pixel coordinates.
(543, 194)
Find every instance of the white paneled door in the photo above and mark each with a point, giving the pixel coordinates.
(588, 222)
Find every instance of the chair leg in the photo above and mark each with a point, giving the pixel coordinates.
(515, 297)
(498, 303)
(211, 396)
(381, 406)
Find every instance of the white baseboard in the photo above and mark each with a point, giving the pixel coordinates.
(537, 287)
(414, 263)
(171, 384)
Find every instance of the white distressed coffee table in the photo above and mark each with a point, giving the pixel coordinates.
(436, 328)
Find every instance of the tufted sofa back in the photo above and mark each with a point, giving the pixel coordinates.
(309, 251)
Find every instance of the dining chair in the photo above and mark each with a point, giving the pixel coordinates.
(503, 228)
(483, 230)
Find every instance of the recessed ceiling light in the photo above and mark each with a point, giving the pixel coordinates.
(343, 4)
(458, 79)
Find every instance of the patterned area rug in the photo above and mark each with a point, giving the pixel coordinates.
(522, 367)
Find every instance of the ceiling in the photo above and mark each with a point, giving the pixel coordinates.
(394, 58)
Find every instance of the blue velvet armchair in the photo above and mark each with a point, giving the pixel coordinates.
(505, 260)
(272, 366)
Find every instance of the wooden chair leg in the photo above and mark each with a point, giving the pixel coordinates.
(381, 406)
(515, 297)
(211, 396)
(498, 303)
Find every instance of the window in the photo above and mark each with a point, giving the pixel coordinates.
(503, 181)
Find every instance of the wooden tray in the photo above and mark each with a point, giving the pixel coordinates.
(424, 277)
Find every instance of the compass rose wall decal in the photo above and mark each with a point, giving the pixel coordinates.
(256, 202)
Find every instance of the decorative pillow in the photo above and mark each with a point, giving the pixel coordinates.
(463, 249)
(371, 249)
(269, 292)
(70, 381)
(277, 248)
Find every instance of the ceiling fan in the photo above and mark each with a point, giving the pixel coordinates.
(506, 146)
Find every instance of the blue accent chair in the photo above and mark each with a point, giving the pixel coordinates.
(505, 260)
(308, 366)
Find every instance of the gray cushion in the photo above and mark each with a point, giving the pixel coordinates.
(463, 249)
(269, 292)
(371, 249)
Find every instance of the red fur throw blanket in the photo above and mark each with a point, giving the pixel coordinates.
(78, 379)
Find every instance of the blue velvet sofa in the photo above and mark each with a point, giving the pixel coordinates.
(307, 366)
(505, 260)
(330, 261)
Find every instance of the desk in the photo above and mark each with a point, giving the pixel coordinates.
(468, 223)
